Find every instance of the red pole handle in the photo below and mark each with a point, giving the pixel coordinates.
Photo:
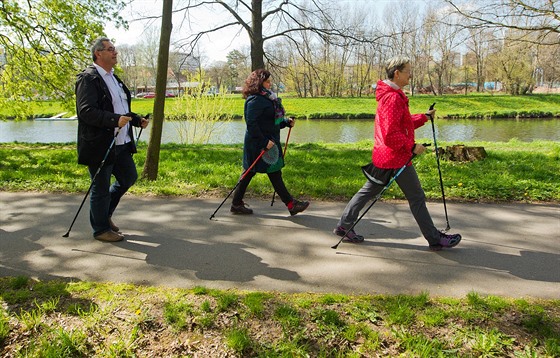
(252, 165)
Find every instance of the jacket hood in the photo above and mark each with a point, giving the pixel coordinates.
(385, 88)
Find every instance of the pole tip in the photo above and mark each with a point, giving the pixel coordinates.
(334, 247)
(66, 235)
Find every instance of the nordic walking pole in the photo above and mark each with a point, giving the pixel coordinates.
(239, 181)
(439, 169)
(374, 200)
(283, 156)
(377, 197)
(139, 133)
(93, 181)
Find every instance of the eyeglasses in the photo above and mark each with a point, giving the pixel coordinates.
(109, 49)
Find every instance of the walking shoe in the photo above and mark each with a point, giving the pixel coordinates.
(114, 227)
(297, 206)
(109, 236)
(446, 240)
(435, 247)
(351, 236)
(240, 209)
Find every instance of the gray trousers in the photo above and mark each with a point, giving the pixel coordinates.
(410, 185)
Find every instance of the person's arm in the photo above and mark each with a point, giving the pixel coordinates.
(254, 109)
(88, 97)
(419, 120)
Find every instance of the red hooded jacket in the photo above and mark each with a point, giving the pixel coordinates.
(394, 127)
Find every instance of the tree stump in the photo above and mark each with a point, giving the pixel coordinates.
(461, 153)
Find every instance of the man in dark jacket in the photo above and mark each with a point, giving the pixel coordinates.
(105, 130)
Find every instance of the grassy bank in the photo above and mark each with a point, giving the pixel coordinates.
(513, 171)
(86, 319)
(449, 106)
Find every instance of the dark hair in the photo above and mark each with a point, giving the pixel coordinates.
(98, 45)
(395, 63)
(254, 82)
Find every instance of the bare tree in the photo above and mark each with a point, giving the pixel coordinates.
(218, 74)
(403, 22)
(441, 49)
(547, 69)
(523, 16)
(132, 69)
(478, 44)
(148, 53)
(264, 21)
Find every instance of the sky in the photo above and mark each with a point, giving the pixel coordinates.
(215, 47)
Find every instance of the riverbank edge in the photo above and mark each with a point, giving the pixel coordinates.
(513, 115)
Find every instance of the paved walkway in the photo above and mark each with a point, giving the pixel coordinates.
(507, 249)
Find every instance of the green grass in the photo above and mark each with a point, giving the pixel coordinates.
(449, 106)
(141, 321)
(513, 171)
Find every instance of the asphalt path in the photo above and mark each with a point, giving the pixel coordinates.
(507, 249)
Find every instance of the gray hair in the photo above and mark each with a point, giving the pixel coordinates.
(395, 63)
(98, 46)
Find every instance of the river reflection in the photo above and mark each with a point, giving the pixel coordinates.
(307, 131)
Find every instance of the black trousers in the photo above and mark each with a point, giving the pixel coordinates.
(276, 180)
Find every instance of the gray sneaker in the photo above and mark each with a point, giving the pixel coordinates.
(351, 236)
(446, 240)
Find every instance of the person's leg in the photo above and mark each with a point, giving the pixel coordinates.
(294, 206)
(279, 186)
(242, 188)
(410, 185)
(357, 203)
(125, 174)
(237, 204)
(100, 198)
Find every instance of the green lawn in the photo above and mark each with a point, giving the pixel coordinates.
(513, 171)
(89, 319)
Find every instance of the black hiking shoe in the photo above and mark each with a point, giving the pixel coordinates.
(298, 206)
(241, 209)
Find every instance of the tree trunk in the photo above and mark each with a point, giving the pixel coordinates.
(152, 158)
(461, 153)
(257, 49)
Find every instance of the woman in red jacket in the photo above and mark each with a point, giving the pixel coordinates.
(393, 148)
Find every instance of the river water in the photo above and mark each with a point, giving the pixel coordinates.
(307, 131)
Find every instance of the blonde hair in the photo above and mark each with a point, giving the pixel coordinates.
(395, 63)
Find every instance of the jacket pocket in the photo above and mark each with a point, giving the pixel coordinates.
(93, 147)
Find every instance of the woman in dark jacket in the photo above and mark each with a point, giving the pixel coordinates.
(264, 116)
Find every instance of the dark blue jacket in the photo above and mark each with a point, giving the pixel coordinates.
(261, 127)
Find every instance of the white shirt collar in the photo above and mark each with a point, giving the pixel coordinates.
(101, 70)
